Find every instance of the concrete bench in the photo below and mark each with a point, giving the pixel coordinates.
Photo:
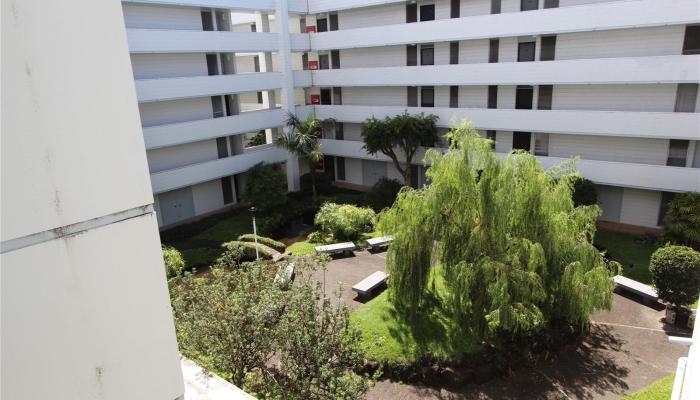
(379, 242)
(367, 285)
(285, 275)
(646, 291)
(336, 248)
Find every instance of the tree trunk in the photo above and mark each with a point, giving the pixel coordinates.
(407, 176)
(313, 183)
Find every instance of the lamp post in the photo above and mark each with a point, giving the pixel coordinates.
(255, 233)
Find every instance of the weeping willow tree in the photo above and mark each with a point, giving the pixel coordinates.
(516, 254)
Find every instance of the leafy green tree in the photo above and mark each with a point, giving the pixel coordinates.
(235, 321)
(682, 220)
(302, 141)
(383, 193)
(675, 271)
(344, 221)
(174, 263)
(266, 187)
(257, 140)
(517, 255)
(399, 138)
(584, 192)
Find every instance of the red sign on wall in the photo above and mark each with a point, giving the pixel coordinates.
(313, 64)
(315, 99)
(311, 28)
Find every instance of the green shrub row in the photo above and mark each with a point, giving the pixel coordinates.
(236, 252)
(249, 237)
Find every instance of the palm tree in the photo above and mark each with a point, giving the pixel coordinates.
(302, 141)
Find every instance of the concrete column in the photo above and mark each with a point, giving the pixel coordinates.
(262, 23)
(284, 57)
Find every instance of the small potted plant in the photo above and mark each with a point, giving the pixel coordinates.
(675, 272)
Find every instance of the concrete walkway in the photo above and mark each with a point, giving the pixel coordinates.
(627, 350)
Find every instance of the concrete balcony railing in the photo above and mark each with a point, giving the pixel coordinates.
(628, 70)
(638, 176)
(172, 179)
(661, 125)
(191, 41)
(194, 131)
(199, 86)
(591, 17)
(295, 6)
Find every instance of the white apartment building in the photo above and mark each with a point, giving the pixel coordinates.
(612, 82)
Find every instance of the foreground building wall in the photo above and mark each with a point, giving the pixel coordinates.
(85, 306)
(612, 82)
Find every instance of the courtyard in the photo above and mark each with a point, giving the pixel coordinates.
(626, 350)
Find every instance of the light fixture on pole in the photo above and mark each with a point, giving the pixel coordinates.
(255, 233)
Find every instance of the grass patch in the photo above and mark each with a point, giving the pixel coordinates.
(228, 228)
(200, 256)
(660, 390)
(633, 256)
(389, 336)
(302, 248)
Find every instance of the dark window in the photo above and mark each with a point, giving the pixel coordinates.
(339, 131)
(337, 96)
(253, 28)
(493, 50)
(305, 61)
(495, 6)
(523, 97)
(321, 25)
(329, 166)
(526, 51)
(549, 44)
(335, 59)
(236, 185)
(323, 61)
(212, 64)
(326, 96)
(427, 55)
(340, 168)
(544, 97)
(454, 52)
(686, 97)
(677, 153)
(231, 102)
(454, 96)
(333, 22)
(551, 3)
(492, 101)
(427, 12)
(427, 96)
(412, 96)
(411, 12)
(527, 5)
(227, 189)
(302, 25)
(491, 135)
(260, 97)
(228, 65)
(521, 141)
(222, 147)
(256, 63)
(666, 198)
(207, 21)
(691, 43)
(217, 107)
(411, 55)
(454, 9)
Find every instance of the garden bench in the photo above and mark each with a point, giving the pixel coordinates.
(646, 291)
(367, 285)
(336, 248)
(285, 275)
(379, 242)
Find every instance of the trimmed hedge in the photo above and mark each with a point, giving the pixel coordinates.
(237, 252)
(675, 271)
(249, 237)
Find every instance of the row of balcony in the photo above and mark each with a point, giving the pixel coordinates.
(631, 175)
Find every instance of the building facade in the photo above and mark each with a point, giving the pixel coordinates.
(614, 83)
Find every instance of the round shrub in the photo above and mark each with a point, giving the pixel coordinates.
(675, 272)
(682, 220)
(233, 255)
(266, 187)
(316, 237)
(174, 263)
(344, 222)
(383, 193)
(584, 192)
(249, 237)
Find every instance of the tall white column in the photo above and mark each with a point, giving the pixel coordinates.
(262, 23)
(284, 56)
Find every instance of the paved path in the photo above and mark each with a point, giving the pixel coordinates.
(627, 350)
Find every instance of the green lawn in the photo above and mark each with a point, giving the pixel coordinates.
(660, 390)
(633, 256)
(301, 248)
(200, 256)
(228, 228)
(389, 336)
